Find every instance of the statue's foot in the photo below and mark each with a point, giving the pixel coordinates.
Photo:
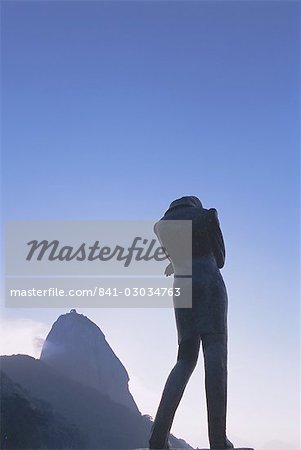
(229, 444)
(160, 448)
(224, 446)
(159, 445)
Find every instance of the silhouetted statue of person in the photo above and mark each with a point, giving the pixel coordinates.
(205, 322)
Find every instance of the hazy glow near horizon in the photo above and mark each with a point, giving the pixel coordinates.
(113, 110)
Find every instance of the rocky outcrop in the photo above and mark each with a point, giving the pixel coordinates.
(76, 347)
(75, 396)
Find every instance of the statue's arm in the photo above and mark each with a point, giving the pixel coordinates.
(216, 238)
(169, 270)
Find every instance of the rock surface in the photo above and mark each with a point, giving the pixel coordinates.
(76, 347)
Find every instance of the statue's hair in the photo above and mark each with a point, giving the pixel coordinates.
(186, 201)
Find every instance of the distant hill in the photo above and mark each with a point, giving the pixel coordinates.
(76, 347)
(31, 423)
(76, 407)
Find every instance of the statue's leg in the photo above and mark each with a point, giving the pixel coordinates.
(215, 358)
(173, 391)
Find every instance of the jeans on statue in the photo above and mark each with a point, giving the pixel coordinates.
(215, 359)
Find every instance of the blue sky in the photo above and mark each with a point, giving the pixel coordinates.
(112, 110)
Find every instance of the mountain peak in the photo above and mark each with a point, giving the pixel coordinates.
(75, 319)
(76, 347)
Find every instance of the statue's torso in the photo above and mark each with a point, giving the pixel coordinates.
(209, 296)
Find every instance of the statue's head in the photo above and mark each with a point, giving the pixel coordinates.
(185, 202)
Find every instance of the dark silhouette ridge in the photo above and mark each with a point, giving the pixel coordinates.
(30, 423)
(63, 401)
